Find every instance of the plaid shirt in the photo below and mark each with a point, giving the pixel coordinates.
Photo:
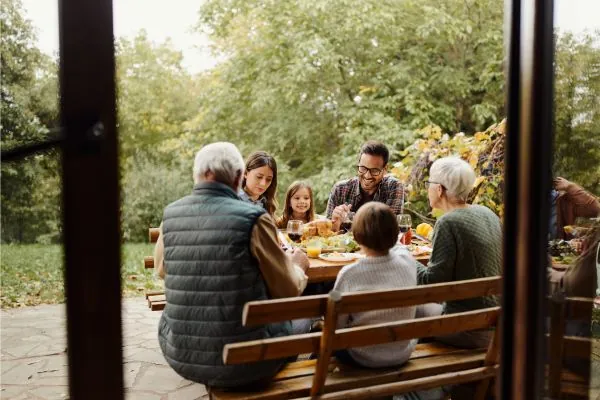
(390, 192)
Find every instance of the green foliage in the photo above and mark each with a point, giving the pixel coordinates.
(156, 95)
(135, 279)
(33, 274)
(310, 81)
(148, 186)
(577, 109)
(155, 98)
(30, 188)
(484, 151)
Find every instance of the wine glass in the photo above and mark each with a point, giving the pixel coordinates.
(346, 225)
(294, 230)
(404, 223)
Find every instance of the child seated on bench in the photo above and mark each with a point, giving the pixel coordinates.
(376, 230)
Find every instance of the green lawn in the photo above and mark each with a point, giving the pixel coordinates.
(33, 274)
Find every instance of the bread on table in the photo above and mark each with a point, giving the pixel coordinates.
(320, 227)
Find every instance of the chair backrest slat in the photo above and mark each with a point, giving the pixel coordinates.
(269, 349)
(577, 347)
(579, 308)
(277, 310)
(269, 311)
(435, 293)
(423, 327)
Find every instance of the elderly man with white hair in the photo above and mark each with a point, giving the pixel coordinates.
(467, 244)
(220, 253)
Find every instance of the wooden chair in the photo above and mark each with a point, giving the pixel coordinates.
(156, 300)
(431, 365)
(563, 382)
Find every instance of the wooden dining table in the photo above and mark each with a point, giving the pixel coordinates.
(324, 271)
(319, 270)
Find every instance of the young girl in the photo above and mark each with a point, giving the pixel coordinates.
(259, 185)
(298, 204)
(376, 230)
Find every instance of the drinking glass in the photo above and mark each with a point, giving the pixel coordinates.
(313, 249)
(404, 223)
(294, 230)
(346, 225)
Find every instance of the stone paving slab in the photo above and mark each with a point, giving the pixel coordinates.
(33, 358)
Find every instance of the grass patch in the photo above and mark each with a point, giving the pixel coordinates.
(33, 274)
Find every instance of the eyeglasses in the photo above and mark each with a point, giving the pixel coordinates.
(427, 183)
(373, 171)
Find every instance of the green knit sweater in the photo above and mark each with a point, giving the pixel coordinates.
(467, 244)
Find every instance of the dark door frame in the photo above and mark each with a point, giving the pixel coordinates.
(90, 199)
(528, 183)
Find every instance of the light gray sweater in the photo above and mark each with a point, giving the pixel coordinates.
(393, 271)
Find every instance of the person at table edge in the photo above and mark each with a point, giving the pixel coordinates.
(371, 184)
(216, 253)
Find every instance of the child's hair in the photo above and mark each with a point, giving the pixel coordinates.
(287, 209)
(260, 159)
(375, 226)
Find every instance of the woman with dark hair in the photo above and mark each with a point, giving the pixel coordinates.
(259, 185)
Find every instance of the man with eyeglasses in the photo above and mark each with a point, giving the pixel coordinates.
(371, 184)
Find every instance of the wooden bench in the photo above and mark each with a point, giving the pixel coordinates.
(431, 365)
(297, 377)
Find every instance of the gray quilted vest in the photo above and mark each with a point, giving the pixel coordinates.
(211, 274)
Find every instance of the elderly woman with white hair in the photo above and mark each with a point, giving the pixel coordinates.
(467, 244)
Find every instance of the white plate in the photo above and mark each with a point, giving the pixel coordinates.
(338, 257)
(421, 251)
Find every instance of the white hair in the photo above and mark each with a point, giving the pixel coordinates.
(455, 175)
(223, 159)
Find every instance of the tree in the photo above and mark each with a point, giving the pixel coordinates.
(156, 95)
(577, 109)
(28, 107)
(310, 81)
